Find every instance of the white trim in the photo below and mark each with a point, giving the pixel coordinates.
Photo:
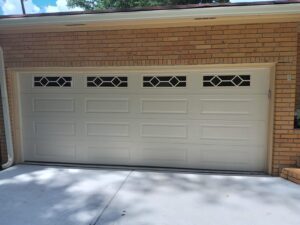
(123, 69)
(256, 10)
(271, 120)
(151, 69)
(6, 115)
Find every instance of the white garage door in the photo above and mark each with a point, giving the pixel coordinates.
(186, 119)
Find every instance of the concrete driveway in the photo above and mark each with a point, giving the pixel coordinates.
(48, 195)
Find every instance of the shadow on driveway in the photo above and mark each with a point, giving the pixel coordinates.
(48, 195)
(38, 195)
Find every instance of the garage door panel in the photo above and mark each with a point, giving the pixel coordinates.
(54, 128)
(223, 106)
(49, 151)
(107, 105)
(247, 132)
(164, 130)
(50, 127)
(164, 105)
(32, 104)
(113, 129)
(227, 157)
(225, 132)
(51, 104)
(110, 129)
(107, 154)
(161, 154)
(250, 107)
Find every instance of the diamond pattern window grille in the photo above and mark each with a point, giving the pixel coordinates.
(57, 81)
(226, 81)
(114, 81)
(164, 81)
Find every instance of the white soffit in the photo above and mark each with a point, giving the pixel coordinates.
(171, 14)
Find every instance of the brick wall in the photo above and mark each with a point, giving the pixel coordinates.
(232, 44)
(298, 74)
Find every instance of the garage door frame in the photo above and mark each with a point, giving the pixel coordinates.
(14, 90)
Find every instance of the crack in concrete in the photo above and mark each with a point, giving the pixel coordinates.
(96, 220)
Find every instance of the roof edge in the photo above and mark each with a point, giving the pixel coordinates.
(153, 8)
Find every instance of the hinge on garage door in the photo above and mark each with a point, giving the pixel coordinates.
(270, 94)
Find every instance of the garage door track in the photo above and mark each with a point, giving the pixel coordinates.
(49, 195)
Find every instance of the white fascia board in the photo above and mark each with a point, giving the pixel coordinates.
(154, 15)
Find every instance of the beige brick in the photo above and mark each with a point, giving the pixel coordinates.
(252, 43)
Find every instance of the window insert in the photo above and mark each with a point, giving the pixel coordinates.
(107, 81)
(226, 81)
(164, 81)
(52, 81)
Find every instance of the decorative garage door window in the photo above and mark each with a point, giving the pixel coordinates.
(114, 81)
(164, 81)
(57, 81)
(226, 81)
